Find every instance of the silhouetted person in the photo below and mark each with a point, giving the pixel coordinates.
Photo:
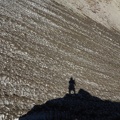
(72, 85)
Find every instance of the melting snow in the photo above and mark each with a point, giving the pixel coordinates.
(105, 12)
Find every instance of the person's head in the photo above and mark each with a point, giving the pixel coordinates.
(71, 78)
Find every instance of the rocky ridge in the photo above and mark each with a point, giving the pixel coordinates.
(81, 106)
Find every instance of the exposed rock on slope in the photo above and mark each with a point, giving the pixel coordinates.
(43, 44)
(81, 106)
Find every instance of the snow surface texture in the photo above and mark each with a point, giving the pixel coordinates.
(106, 12)
(43, 44)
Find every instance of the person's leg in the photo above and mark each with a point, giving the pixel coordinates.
(74, 91)
(69, 91)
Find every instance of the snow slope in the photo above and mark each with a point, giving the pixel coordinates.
(106, 12)
(43, 44)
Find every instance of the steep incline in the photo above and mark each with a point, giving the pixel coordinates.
(106, 12)
(43, 44)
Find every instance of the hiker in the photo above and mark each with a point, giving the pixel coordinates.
(71, 85)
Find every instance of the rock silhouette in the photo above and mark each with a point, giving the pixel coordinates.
(81, 106)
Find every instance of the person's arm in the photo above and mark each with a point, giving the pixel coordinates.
(74, 82)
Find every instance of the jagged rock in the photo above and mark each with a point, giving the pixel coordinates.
(81, 106)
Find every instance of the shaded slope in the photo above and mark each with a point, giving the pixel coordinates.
(43, 44)
(81, 106)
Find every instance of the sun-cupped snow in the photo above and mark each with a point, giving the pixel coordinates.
(106, 12)
(43, 43)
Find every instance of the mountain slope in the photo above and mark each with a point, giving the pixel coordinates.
(106, 12)
(43, 44)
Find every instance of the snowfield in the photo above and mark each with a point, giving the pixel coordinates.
(106, 12)
(45, 42)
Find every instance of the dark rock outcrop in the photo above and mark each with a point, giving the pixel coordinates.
(81, 106)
